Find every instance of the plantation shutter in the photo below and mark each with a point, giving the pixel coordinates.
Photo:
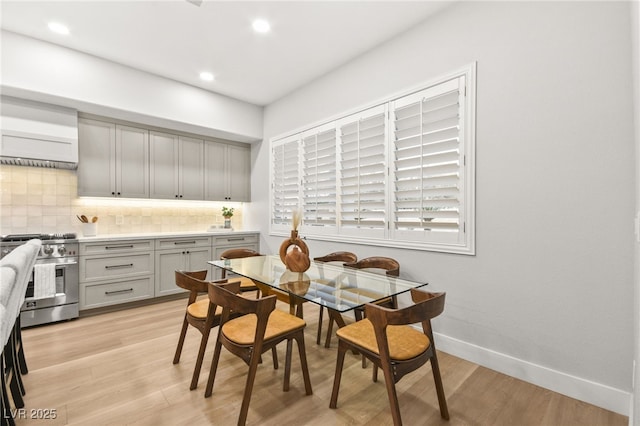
(428, 164)
(363, 174)
(285, 181)
(319, 178)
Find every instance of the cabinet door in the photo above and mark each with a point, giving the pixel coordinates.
(132, 165)
(167, 262)
(197, 259)
(191, 169)
(239, 173)
(163, 157)
(96, 161)
(215, 180)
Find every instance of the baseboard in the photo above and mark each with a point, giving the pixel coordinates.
(597, 394)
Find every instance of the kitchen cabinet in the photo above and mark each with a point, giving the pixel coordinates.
(222, 243)
(113, 160)
(115, 272)
(186, 254)
(228, 172)
(176, 167)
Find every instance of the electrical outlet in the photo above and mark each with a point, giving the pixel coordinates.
(119, 219)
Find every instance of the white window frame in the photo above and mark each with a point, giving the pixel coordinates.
(462, 242)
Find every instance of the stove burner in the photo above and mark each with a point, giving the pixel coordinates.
(43, 237)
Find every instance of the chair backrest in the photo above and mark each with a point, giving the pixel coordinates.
(338, 256)
(391, 266)
(192, 281)
(238, 253)
(426, 306)
(226, 296)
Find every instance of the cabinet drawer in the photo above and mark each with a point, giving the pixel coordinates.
(96, 295)
(115, 247)
(236, 240)
(100, 268)
(179, 243)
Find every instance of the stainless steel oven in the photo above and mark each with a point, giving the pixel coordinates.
(62, 251)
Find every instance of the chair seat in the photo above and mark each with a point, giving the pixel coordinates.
(245, 283)
(242, 330)
(405, 342)
(199, 309)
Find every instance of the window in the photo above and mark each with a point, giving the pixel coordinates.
(398, 174)
(285, 182)
(319, 195)
(363, 173)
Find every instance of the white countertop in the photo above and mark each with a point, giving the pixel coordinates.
(155, 235)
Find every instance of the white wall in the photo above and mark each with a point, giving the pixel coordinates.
(42, 71)
(635, 19)
(549, 295)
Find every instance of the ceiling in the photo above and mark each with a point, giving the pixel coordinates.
(178, 40)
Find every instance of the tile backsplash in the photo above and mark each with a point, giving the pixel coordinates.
(41, 200)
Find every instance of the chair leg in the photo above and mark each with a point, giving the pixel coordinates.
(374, 376)
(287, 366)
(9, 374)
(214, 368)
(246, 399)
(21, 358)
(327, 342)
(201, 351)
(442, 399)
(274, 355)
(319, 337)
(16, 362)
(391, 392)
(342, 349)
(303, 362)
(7, 418)
(183, 333)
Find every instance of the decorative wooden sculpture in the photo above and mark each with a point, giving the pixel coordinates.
(297, 259)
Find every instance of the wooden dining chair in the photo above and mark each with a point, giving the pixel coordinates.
(198, 314)
(376, 264)
(246, 284)
(258, 330)
(338, 256)
(386, 338)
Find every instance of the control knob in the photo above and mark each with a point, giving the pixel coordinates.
(62, 250)
(47, 250)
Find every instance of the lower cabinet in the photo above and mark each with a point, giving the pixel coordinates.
(115, 272)
(119, 271)
(95, 295)
(185, 254)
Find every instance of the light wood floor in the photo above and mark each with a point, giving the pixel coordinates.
(116, 368)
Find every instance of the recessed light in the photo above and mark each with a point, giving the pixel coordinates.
(206, 76)
(261, 26)
(59, 28)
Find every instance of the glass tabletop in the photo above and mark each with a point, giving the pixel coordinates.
(328, 284)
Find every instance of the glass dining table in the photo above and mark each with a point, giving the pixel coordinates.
(338, 288)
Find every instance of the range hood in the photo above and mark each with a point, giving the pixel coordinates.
(37, 134)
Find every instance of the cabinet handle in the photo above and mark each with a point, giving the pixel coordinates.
(126, 290)
(128, 265)
(118, 247)
(183, 242)
(236, 239)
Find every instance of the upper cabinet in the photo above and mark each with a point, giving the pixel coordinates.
(113, 160)
(123, 161)
(228, 171)
(177, 167)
